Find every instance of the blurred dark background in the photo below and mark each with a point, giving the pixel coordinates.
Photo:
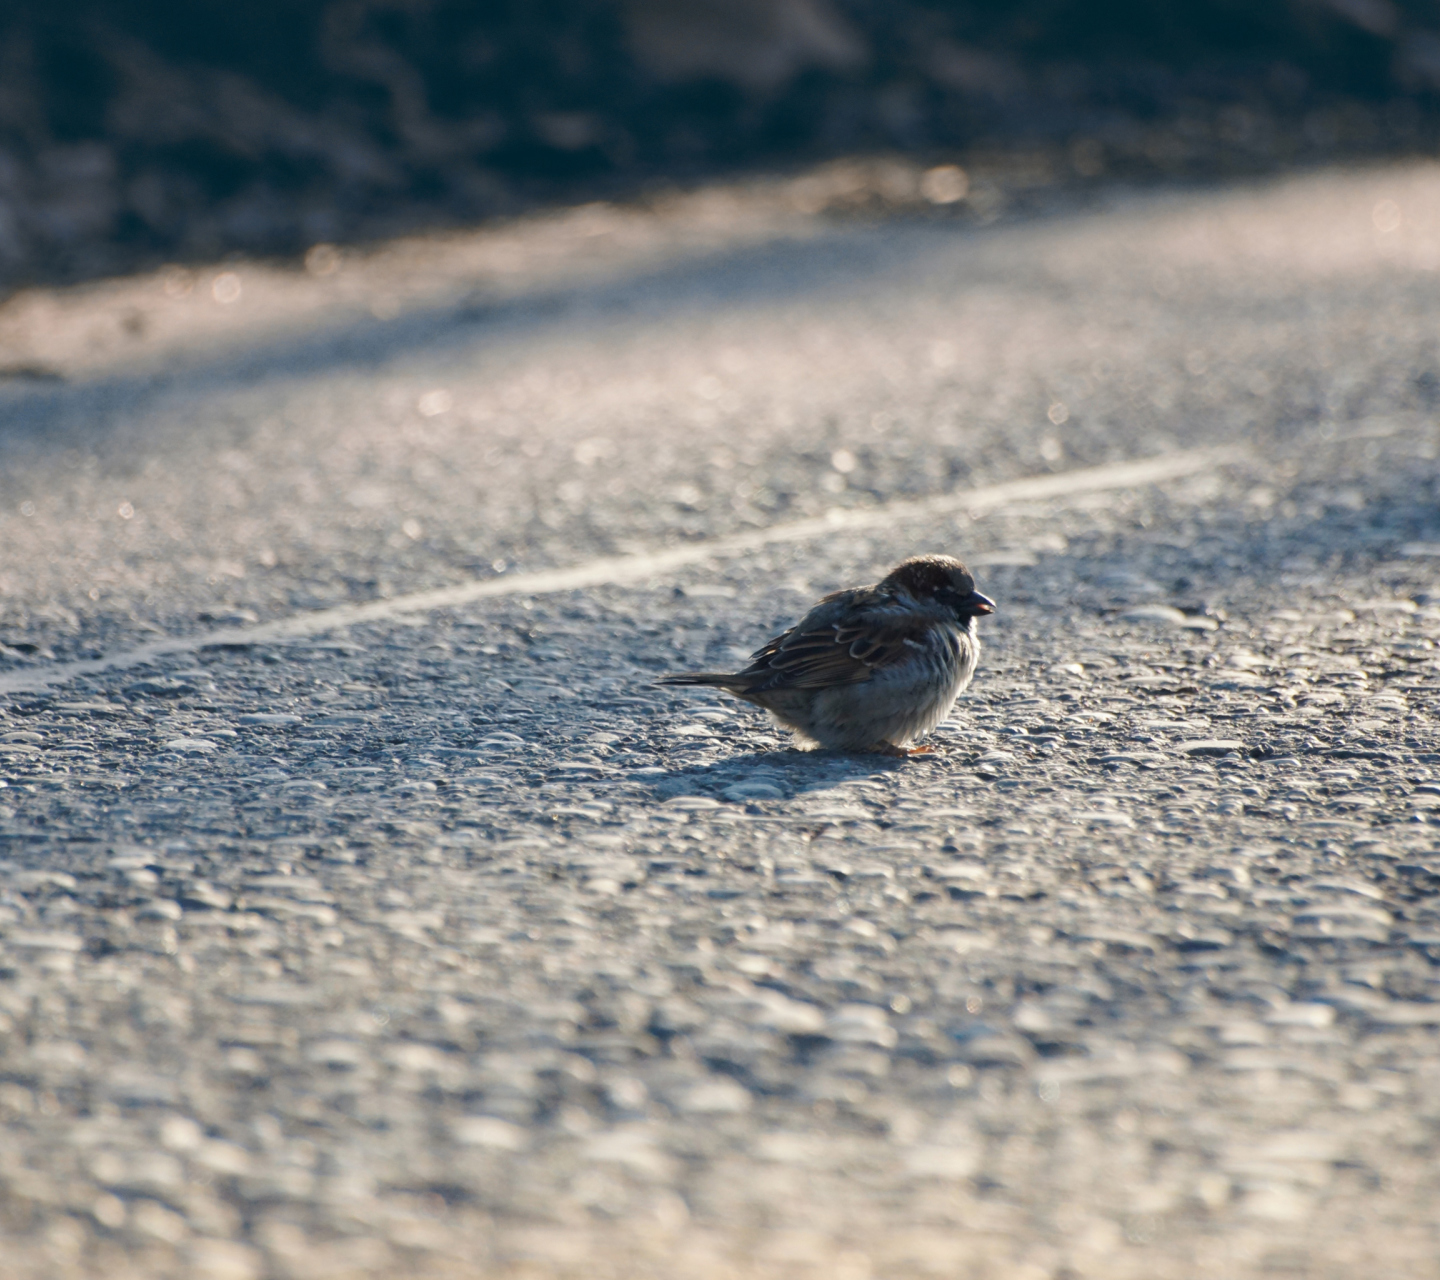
(137, 131)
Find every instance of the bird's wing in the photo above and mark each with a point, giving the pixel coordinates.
(841, 641)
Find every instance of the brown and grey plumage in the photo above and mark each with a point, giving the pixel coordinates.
(873, 668)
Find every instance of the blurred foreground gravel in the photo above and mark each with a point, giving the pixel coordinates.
(448, 945)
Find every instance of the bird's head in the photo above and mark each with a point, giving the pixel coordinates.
(942, 579)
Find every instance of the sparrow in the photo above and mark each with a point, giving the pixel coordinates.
(872, 668)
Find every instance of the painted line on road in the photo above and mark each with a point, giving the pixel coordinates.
(617, 570)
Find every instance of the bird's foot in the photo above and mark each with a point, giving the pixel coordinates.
(925, 750)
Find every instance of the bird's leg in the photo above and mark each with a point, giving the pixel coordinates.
(901, 753)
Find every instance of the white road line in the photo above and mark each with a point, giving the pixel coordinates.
(615, 570)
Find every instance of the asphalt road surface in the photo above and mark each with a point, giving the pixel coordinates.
(366, 911)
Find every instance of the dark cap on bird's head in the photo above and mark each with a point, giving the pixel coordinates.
(941, 578)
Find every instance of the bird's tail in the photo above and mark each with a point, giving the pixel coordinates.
(719, 679)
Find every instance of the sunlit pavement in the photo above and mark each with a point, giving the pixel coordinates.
(444, 943)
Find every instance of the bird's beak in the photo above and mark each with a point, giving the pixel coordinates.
(975, 603)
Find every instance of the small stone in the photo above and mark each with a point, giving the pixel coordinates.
(35, 940)
(861, 1024)
(715, 1095)
(1301, 1014)
(202, 895)
(489, 1131)
(777, 1012)
(192, 746)
(1105, 818)
(945, 1163)
(223, 1260)
(225, 1158)
(742, 791)
(109, 1211)
(159, 909)
(151, 1218)
(33, 881)
(1162, 614)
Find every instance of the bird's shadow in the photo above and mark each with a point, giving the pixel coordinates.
(778, 774)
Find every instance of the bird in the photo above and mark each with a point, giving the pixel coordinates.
(872, 668)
